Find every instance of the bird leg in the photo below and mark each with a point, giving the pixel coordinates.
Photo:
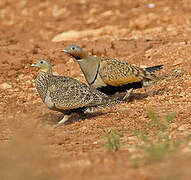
(89, 110)
(64, 119)
(128, 93)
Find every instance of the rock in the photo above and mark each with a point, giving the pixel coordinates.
(107, 13)
(173, 126)
(132, 138)
(95, 142)
(73, 34)
(56, 11)
(151, 5)
(5, 86)
(69, 35)
(184, 127)
(186, 133)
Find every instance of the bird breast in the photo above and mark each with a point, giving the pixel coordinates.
(98, 82)
(48, 101)
(42, 85)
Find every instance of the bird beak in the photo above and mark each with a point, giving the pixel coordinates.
(64, 50)
(33, 65)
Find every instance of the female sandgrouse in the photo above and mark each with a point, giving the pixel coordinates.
(67, 95)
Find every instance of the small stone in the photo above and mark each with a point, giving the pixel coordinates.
(107, 13)
(84, 128)
(89, 33)
(151, 5)
(132, 138)
(95, 142)
(173, 135)
(184, 127)
(172, 126)
(186, 133)
(5, 86)
(21, 76)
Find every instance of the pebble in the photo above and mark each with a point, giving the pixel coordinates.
(184, 127)
(151, 5)
(95, 142)
(186, 133)
(132, 138)
(5, 86)
(173, 126)
(73, 34)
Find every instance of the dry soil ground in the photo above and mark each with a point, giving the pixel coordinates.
(144, 33)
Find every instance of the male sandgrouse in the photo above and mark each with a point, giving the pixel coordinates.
(110, 75)
(67, 95)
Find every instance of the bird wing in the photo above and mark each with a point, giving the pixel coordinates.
(115, 72)
(68, 93)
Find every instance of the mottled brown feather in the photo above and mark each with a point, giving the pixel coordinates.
(62, 93)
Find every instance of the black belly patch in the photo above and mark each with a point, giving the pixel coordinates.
(110, 90)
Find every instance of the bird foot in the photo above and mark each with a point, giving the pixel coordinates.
(128, 93)
(64, 119)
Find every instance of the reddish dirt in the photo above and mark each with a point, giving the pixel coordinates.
(31, 147)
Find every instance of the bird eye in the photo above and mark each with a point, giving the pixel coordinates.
(73, 48)
(41, 62)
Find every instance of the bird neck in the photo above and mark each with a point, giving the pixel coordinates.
(89, 66)
(44, 75)
(42, 82)
(47, 70)
(80, 56)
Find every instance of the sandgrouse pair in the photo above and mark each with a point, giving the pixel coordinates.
(106, 76)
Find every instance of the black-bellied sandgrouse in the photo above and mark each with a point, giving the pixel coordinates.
(67, 95)
(111, 75)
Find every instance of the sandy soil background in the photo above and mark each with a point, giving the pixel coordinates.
(144, 33)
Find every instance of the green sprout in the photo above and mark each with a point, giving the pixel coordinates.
(111, 139)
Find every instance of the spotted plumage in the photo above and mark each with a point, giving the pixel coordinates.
(111, 75)
(67, 95)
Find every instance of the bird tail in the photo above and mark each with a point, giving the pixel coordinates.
(108, 103)
(149, 76)
(101, 101)
(153, 69)
(112, 102)
(151, 79)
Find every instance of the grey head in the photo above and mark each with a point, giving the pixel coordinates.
(44, 65)
(75, 51)
(88, 64)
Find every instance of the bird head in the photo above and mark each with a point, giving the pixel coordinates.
(75, 51)
(44, 65)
